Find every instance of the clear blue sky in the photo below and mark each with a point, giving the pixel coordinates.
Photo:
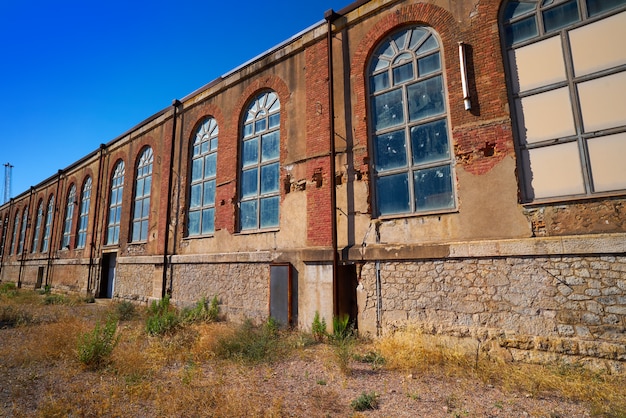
(78, 73)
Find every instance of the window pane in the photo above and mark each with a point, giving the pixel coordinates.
(247, 130)
(146, 208)
(392, 194)
(247, 215)
(196, 169)
(249, 185)
(210, 165)
(521, 30)
(388, 109)
(516, 8)
(139, 190)
(403, 73)
(379, 82)
(269, 178)
(426, 98)
(429, 142)
(270, 146)
(595, 7)
(147, 185)
(138, 210)
(118, 214)
(250, 152)
(433, 189)
(274, 120)
(390, 151)
(560, 16)
(209, 193)
(144, 230)
(269, 212)
(260, 125)
(428, 64)
(136, 231)
(193, 223)
(213, 144)
(430, 44)
(208, 221)
(196, 194)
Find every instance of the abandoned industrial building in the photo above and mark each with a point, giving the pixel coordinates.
(454, 166)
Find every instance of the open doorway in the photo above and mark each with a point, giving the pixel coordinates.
(107, 278)
(347, 282)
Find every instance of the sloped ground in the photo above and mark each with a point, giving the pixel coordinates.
(180, 375)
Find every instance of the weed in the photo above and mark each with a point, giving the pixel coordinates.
(321, 382)
(342, 328)
(365, 401)
(374, 358)
(318, 327)
(8, 289)
(203, 311)
(55, 299)
(95, 347)
(125, 310)
(13, 317)
(45, 290)
(162, 318)
(252, 344)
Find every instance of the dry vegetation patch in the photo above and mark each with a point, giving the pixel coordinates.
(215, 369)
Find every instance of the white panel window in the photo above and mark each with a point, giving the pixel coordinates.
(566, 70)
(607, 159)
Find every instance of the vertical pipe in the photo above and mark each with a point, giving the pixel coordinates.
(463, 67)
(94, 231)
(170, 174)
(25, 245)
(54, 217)
(330, 16)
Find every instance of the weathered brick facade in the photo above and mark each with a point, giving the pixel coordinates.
(531, 279)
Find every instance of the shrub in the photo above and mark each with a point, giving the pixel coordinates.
(162, 318)
(342, 328)
(55, 299)
(95, 347)
(365, 401)
(8, 289)
(318, 328)
(125, 310)
(202, 312)
(251, 344)
(13, 317)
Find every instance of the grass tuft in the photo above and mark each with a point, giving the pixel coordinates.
(95, 347)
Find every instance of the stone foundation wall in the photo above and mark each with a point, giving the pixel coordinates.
(134, 282)
(535, 308)
(242, 288)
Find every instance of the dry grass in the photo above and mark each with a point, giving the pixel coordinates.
(181, 374)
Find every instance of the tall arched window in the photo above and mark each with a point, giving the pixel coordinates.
(413, 165)
(83, 220)
(38, 223)
(48, 227)
(566, 68)
(16, 223)
(201, 215)
(69, 217)
(20, 246)
(5, 225)
(260, 169)
(115, 204)
(141, 205)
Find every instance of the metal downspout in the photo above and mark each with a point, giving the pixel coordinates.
(330, 16)
(53, 221)
(94, 232)
(170, 177)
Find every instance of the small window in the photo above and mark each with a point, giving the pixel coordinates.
(410, 142)
(69, 216)
(115, 204)
(201, 213)
(143, 185)
(83, 220)
(259, 190)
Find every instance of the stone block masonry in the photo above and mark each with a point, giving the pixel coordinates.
(536, 308)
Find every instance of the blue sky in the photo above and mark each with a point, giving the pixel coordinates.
(78, 73)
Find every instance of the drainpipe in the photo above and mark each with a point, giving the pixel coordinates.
(25, 246)
(94, 224)
(54, 218)
(170, 174)
(330, 16)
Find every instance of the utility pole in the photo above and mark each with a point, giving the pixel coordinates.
(7, 182)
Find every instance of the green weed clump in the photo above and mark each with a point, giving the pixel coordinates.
(162, 318)
(125, 310)
(203, 311)
(8, 289)
(365, 401)
(14, 316)
(95, 347)
(318, 327)
(252, 344)
(55, 299)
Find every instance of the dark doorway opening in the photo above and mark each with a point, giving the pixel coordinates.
(347, 282)
(40, 271)
(107, 278)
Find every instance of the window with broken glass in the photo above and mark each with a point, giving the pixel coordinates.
(115, 204)
(38, 223)
(48, 225)
(20, 245)
(69, 216)
(260, 170)
(201, 213)
(16, 222)
(141, 204)
(413, 170)
(83, 220)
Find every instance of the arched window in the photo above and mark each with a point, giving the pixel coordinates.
(413, 171)
(115, 204)
(201, 215)
(20, 246)
(83, 220)
(47, 228)
(69, 217)
(141, 206)
(5, 225)
(260, 170)
(16, 223)
(38, 223)
(567, 82)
